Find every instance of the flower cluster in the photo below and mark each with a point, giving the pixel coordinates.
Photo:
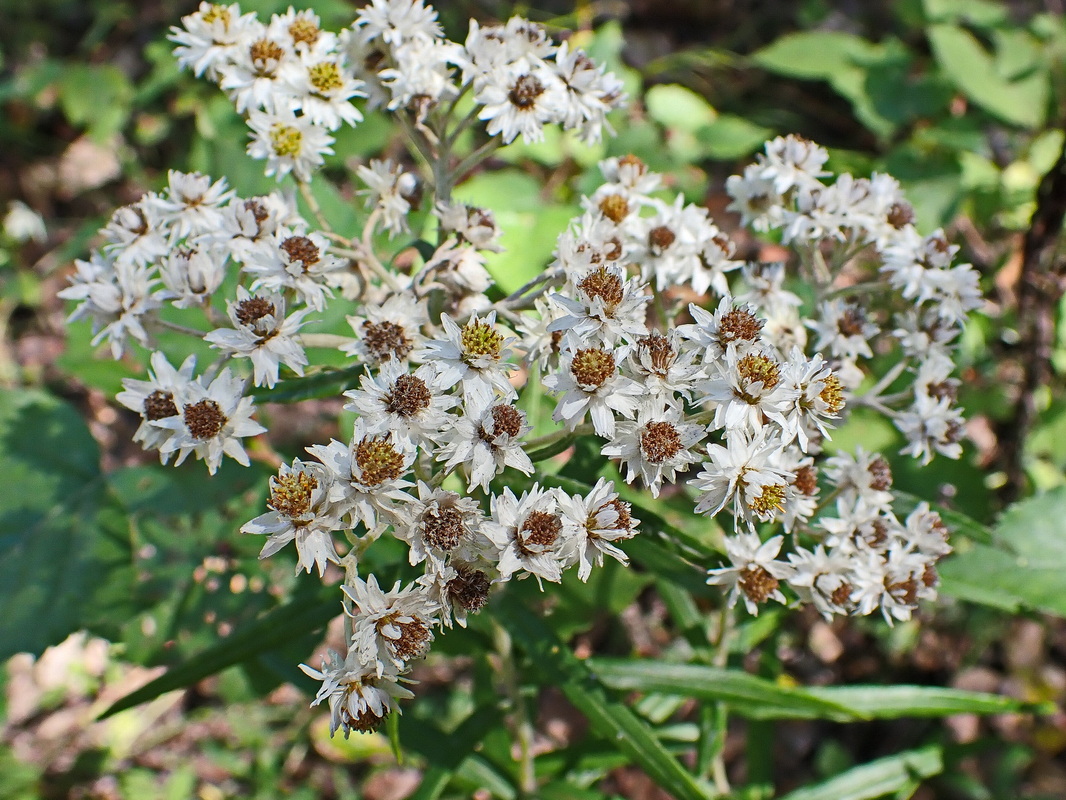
(700, 373)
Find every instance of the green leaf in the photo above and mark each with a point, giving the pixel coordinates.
(893, 702)
(876, 779)
(677, 108)
(609, 718)
(812, 54)
(330, 383)
(973, 70)
(1022, 567)
(49, 503)
(747, 694)
(271, 631)
(730, 137)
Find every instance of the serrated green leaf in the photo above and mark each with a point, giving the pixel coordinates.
(272, 630)
(610, 718)
(49, 504)
(876, 779)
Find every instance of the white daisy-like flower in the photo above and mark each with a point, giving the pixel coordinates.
(517, 101)
(300, 512)
(390, 629)
(530, 535)
(301, 32)
(411, 406)
(116, 296)
(288, 143)
(755, 199)
(844, 330)
(211, 36)
(213, 420)
(487, 442)
(731, 327)
(263, 333)
(390, 191)
(136, 235)
(322, 88)
(931, 425)
(755, 572)
(154, 399)
(600, 520)
(474, 225)
(300, 262)
(862, 475)
(765, 282)
(817, 396)
(745, 389)
(591, 92)
(475, 356)
(743, 473)
(540, 345)
(608, 308)
(249, 221)
(821, 577)
(589, 382)
(664, 365)
(192, 274)
(396, 21)
(253, 77)
(368, 485)
(458, 588)
(192, 204)
(421, 76)
(388, 330)
(656, 447)
(442, 525)
(359, 698)
(792, 161)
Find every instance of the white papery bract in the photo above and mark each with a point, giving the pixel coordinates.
(155, 399)
(390, 628)
(359, 698)
(290, 144)
(530, 534)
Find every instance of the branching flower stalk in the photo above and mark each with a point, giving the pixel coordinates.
(732, 408)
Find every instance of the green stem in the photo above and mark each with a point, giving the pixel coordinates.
(527, 777)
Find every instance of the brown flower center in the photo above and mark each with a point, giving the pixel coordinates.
(470, 589)
(414, 637)
(899, 215)
(806, 481)
(615, 207)
(159, 405)
(378, 460)
(253, 309)
(204, 419)
(301, 248)
(739, 325)
(540, 529)
(592, 367)
(265, 55)
(304, 30)
(841, 595)
(480, 339)
(661, 352)
(661, 237)
(659, 441)
(385, 340)
(506, 420)
(852, 321)
(443, 529)
(832, 394)
(291, 494)
(757, 583)
(409, 395)
(604, 285)
(524, 93)
(759, 368)
(905, 592)
(880, 474)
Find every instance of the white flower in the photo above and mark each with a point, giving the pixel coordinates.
(865, 476)
(473, 355)
(755, 572)
(421, 77)
(116, 296)
(250, 221)
(816, 396)
(288, 143)
(367, 477)
(390, 191)
(388, 330)
(589, 382)
(263, 333)
(487, 442)
(745, 389)
(396, 21)
(299, 511)
(608, 308)
(742, 472)
(359, 698)
(459, 589)
(154, 399)
(322, 88)
(517, 101)
(843, 329)
(600, 519)
(820, 577)
(664, 367)
(390, 629)
(931, 424)
(792, 161)
(530, 535)
(213, 420)
(135, 234)
(471, 224)
(253, 76)
(591, 92)
(301, 32)
(300, 262)
(192, 204)
(411, 406)
(23, 224)
(732, 327)
(442, 525)
(656, 447)
(192, 274)
(210, 37)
